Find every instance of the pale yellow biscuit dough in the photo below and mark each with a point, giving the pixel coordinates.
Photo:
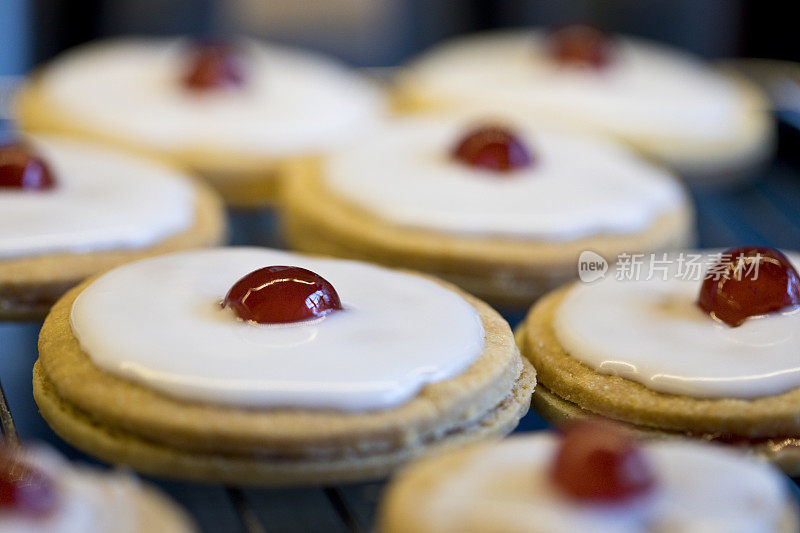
(123, 422)
(29, 286)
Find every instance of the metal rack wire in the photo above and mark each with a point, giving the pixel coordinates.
(7, 428)
(250, 521)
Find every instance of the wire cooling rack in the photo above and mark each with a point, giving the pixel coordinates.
(7, 427)
(766, 212)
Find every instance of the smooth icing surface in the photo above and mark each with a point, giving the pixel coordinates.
(102, 200)
(292, 102)
(700, 489)
(652, 332)
(577, 186)
(647, 90)
(93, 502)
(158, 322)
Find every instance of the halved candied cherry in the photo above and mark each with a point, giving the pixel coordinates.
(215, 65)
(599, 461)
(749, 281)
(21, 168)
(494, 148)
(279, 294)
(581, 45)
(23, 488)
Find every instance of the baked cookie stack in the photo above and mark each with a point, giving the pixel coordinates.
(711, 356)
(325, 371)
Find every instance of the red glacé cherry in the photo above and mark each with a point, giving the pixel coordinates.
(215, 65)
(20, 168)
(599, 462)
(279, 294)
(581, 45)
(492, 148)
(750, 281)
(23, 488)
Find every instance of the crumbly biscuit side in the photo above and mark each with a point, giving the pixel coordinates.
(120, 447)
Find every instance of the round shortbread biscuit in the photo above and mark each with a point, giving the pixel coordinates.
(569, 389)
(126, 423)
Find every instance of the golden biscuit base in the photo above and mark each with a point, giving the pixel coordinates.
(768, 426)
(506, 272)
(124, 422)
(708, 164)
(29, 286)
(415, 484)
(242, 179)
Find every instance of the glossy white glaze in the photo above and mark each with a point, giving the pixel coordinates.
(578, 186)
(700, 489)
(648, 89)
(158, 322)
(652, 332)
(102, 200)
(294, 102)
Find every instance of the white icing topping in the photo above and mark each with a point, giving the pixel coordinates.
(652, 332)
(577, 186)
(647, 90)
(700, 489)
(102, 200)
(93, 502)
(293, 102)
(158, 322)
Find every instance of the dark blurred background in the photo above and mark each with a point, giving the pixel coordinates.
(385, 32)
